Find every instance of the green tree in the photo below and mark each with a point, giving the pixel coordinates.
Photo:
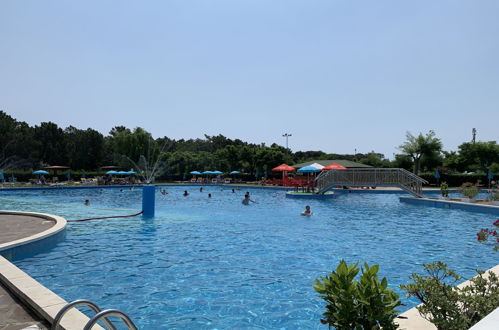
(135, 144)
(50, 145)
(84, 148)
(478, 155)
(375, 159)
(421, 146)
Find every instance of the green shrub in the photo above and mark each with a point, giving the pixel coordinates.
(449, 307)
(455, 180)
(444, 189)
(469, 190)
(366, 303)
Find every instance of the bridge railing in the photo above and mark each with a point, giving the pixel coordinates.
(371, 177)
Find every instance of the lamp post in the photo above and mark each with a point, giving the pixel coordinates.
(286, 135)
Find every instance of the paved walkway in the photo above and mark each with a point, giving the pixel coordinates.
(13, 315)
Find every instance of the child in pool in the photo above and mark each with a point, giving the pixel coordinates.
(307, 211)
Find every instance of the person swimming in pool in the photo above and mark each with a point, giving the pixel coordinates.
(163, 191)
(209, 195)
(247, 200)
(307, 211)
(201, 189)
(87, 202)
(186, 193)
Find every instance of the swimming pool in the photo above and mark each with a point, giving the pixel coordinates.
(215, 263)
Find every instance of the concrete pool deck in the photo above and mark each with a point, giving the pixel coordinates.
(24, 301)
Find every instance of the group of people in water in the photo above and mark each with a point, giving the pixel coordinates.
(246, 200)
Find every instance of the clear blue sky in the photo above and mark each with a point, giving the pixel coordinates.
(338, 75)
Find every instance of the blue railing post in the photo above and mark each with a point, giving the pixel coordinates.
(148, 200)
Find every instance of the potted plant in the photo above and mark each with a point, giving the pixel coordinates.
(470, 191)
(444, 190)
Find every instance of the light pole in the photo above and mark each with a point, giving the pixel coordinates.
(286, 135)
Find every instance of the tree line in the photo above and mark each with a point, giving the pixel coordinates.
(31, 147)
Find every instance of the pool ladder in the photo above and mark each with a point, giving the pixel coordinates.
(99, 314)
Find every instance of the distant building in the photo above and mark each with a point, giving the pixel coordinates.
(342, 162)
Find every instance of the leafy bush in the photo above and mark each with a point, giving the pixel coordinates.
(455, 180)
(444, 189)
(449, 307)
(494, 195)
(469, 190)
(363, 304)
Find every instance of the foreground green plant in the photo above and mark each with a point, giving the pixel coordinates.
(366, 303)
(444, 189)
(469, 190)
(449, 307)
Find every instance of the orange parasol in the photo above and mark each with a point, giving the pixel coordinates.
(334, 166)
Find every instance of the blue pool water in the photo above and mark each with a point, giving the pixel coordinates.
(215, 263)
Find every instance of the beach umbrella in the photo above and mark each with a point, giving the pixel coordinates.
(235, 172)
(216, 172)
(308, 169)
(207, 173)
(40, 172)
(195, 173)
(122, 173)
(317, 166)
(111, 172)
(284, 168)
(131, 172)
(334, 166)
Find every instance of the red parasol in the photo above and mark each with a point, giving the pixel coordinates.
(56, 167)
(284, 168)
(334, 166)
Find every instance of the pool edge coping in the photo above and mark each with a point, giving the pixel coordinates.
(459, 205)
(60, 225)
(45, 303)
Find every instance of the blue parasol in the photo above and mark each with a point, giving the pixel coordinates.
(195, 172)
(235, 172)
(216, 172)
(111, 172)
(40, 172)
(308, 169)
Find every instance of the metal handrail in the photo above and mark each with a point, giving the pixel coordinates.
(372, 177)
(110, 312)
(79, 302)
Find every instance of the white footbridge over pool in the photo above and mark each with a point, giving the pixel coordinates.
(371, 177)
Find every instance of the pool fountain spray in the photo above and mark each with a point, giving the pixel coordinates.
(148, 171)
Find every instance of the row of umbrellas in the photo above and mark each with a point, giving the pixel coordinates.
(121, 172)
(313, 168)
(212, 172)
(42, 172)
